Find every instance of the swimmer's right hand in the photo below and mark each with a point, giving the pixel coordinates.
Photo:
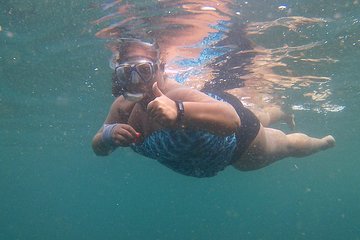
(123, 135)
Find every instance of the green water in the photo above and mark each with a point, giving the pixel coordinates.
(55, 93)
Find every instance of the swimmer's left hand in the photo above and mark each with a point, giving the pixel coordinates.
(162, 109)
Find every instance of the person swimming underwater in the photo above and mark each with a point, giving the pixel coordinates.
(191, 132)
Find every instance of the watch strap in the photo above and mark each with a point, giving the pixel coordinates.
(180, 112)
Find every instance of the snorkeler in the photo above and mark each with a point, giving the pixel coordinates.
(192, 132)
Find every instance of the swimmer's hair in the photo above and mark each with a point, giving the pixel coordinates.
(122, 47)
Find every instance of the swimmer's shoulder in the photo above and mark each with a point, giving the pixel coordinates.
(185, 93)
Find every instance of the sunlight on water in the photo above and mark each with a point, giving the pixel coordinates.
(267, 73)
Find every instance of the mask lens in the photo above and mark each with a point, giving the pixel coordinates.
(145, 70)
(127, 69)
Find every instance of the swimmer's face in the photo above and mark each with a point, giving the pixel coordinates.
(137, 67)
(136, 76)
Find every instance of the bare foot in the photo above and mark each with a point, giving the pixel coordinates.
(329, 142)
(290, 121)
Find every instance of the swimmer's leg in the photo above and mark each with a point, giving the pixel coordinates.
(267, 113)
(272, 145)
(272, 114)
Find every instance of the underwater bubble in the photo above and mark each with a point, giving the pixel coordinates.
(282, 7)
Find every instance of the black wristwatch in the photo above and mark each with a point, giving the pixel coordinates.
(181, 113)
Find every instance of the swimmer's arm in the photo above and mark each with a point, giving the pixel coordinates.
(206, 113)
(217, 117)
(119, 113)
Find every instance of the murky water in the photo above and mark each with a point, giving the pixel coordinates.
(55, 92)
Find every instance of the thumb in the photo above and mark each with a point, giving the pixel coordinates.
(157, 92)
